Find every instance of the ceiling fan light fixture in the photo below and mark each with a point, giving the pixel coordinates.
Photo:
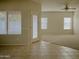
(67, 6)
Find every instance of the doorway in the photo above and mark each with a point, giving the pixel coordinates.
(34, 28)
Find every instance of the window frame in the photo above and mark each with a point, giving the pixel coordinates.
(20, 22)
(71, 23)
(7, 21)
(34, 17)
(46, 23)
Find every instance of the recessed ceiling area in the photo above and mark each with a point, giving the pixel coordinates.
(57, 5)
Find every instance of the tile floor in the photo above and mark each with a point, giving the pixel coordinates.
(45, 50)
(40, 50)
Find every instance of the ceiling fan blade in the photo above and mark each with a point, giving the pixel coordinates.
(73, 8)
(67, 2)
(69, 9)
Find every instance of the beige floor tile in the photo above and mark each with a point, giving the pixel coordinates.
(40, 50)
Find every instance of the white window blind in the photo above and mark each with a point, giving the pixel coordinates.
(67, 23)
(44, 22)
(3, 22)
(14, 22)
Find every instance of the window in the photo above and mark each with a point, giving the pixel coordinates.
(10, 24)
(14, 23)
(44, 22)
(3, 22)
(35, 26)
(67, 23)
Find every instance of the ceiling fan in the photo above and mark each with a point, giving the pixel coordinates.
(67, 7)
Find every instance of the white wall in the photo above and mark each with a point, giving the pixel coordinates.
(56, 23)
(64, 40)
(76, 22)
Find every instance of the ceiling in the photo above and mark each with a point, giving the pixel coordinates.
(57, 5)
(38, 1)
